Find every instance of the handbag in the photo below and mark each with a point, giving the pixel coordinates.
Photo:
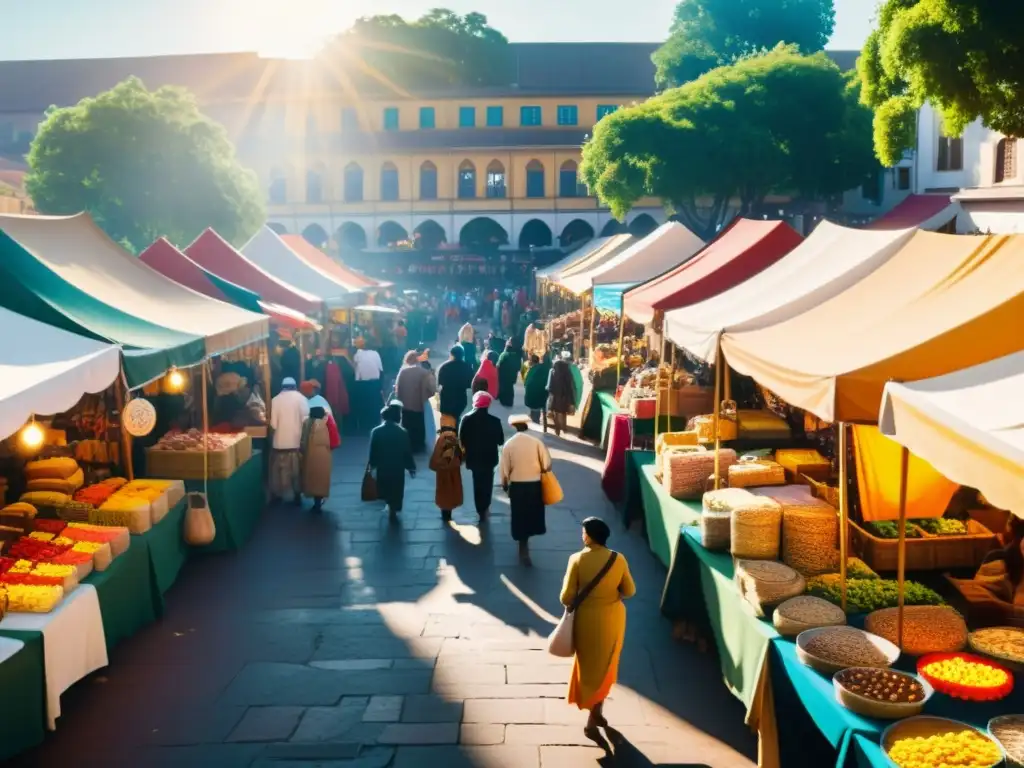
(560, 641)
(369, 490)
(550, 488)
(200, 528)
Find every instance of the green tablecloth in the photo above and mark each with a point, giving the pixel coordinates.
(236, 503)
(603, 407)
(127, 593)
(633, 508)
(167, 552)
(664, 515)
(23, 699)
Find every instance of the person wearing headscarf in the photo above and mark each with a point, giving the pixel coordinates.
(535, 341)
(454, 377)
(488, 372)
(288, 413)
(316, 457)
(467, 340)
(391, 456)
(523, 460)
(508, 371)
(311, 389)
(481, 436)
(561, 394)
(536, 383)
(599, 628)
(414, 386)
(446, 463)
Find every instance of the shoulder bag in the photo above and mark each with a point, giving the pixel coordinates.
(369, 490)
(550, 488)
(560, 641)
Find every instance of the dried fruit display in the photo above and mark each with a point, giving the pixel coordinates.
(966, 676)
(1003, 643)
(884, 685)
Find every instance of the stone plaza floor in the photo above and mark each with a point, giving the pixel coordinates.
(346, 640)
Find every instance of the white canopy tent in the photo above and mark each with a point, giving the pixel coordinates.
(827, 263)
(567, 279)
(552, 271)
(969, 425)
(44, 370)
(668, 246)
(272, 254)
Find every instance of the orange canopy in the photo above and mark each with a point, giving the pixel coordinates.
(943, 303)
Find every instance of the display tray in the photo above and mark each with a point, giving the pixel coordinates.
(927, 553)
(188, 465)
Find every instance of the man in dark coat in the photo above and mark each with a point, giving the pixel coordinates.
(481, 434)
(454, 378)
(391, 456)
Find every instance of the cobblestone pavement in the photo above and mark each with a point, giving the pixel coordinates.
(344, 640)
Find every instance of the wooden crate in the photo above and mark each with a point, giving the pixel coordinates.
(243, 449)
(188, 465)
(928, 553)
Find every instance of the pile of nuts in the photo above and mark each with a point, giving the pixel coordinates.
(847, 647)
(926, 628)
(881, 685)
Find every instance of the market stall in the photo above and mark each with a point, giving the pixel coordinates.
(319, 260)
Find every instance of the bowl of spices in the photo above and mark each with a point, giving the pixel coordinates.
(882, 693)
(832, 649)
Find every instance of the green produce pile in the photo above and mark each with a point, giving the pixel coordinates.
(866, 595)
(857, 569)
(941, 526)
(888, 529)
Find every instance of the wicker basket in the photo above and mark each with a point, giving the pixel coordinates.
(685, 475)
(766, 583)
(755, 530)
(762, 425)
(675, 439)
(188, 465)
(928, 553)
(749, 472)
(804, 612)
(821, 490)
(799, 461)
(809, 538)
(705, 425)
(715, 530)
(659, 459)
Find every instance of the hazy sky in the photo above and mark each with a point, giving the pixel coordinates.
(36, 29)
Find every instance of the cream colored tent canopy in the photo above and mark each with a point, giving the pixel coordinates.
(273, 255)
(553, 271)
(969, 425)
(828, 262)
(943, 303)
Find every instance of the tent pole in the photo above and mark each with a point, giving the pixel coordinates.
(622, 338)
(266, 378)
(206, 430)
(715, 414)
(126, 439)
(302, 358)
(593, 325)
(901, 552)
(843, 512)
(583, 314)
(657, 387)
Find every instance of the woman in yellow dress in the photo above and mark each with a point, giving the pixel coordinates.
(599, 626)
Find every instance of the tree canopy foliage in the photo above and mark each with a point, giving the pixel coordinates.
(144, 164)
(777, 123)
(965, 57)
(439, 48)
(710, 33)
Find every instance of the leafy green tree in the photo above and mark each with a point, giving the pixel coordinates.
(965, 57)
(145, 164)
(439, 48)
(780, 123)
(710, 33)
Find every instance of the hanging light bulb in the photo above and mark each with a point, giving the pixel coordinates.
(32, 435)
(175, 381)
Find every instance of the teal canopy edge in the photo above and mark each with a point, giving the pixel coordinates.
(608, 298)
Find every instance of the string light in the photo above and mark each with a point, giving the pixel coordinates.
(175, 381)
(32, 435)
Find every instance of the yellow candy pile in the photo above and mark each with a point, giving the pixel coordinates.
(52, 569)
(25, 598)
(41, 535)
(22, 566)
(87, 546)
(964, 749)
(962, 672)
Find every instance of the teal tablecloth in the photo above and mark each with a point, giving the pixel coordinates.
(22, 695)
(236, 503)
(664, 515)
(127, 595)
(167, 552)
(633, 507)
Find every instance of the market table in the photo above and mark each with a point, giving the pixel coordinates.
(664, 515)
(23, 708)
(634, 504)
(126, 593)
(236, 503)
(72, 640)
(167, 550)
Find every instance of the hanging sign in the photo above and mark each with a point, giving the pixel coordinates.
(138, 417)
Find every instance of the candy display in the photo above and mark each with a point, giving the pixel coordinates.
(930, 742)
(926, 628)
(866, 595)
(1008, 730)
(882, 693)
(805, 612)
(26, 598)
(1005, 644)
(118, 538)
(966, 676)
(764, 583)
(832, 649)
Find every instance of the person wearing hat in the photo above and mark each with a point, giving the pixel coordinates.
(523, 460)
(391, 456)
(481, 435)
(600, 620)
(288, 413)
(446, 463)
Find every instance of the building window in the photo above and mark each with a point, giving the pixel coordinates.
(568, 184)
(467, 117)
(278, 192)
(603, 110)
(467, 181)
(428, 181)
(568, 115)
(530, 116)
(427, 119)
(903, 179)
(391, 118)
(495, 179)
(314, 186)
(951, 154)
(495, 117)
(534, 179)
(349, 120)
(1006, 160)
(353, 184)
(389, 182)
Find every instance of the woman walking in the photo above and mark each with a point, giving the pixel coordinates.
(391, 456)
(318, 440)
(536, 382)
(600, 620)
(488, 372)
(508, 371)
(446, 462)
(523, 461)
(481, 435)
(414, 386)
(454, 377)
(561, 394)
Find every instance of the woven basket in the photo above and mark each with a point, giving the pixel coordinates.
(685, 475)
(827, 493)
(766, 583)
(749, 472)
(809, 539)
(715, 530)
(800, 461)
(806, 612)
(674, 439)
(659, 459)
(754, 534)
(728, 428)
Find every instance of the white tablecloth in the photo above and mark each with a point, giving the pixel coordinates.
(73, 642)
